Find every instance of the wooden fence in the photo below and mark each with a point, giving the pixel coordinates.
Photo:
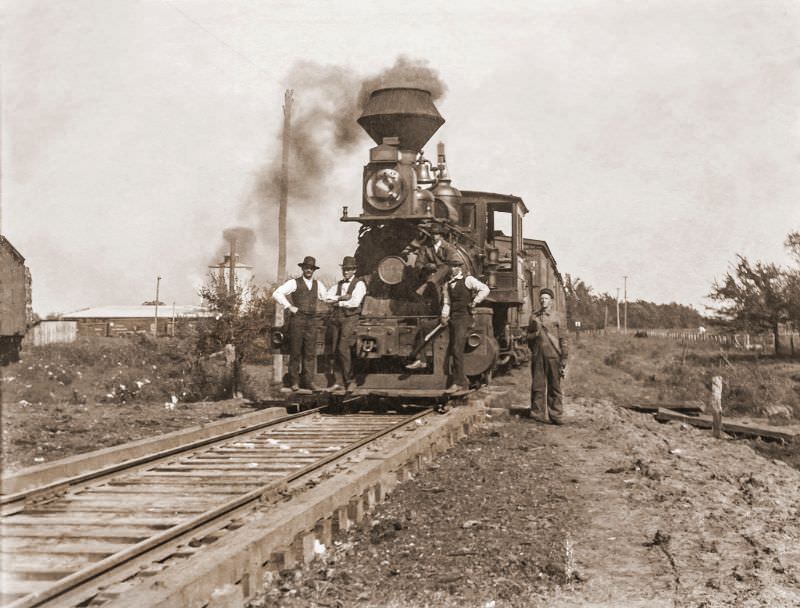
(754, 342)
(51, 332)
(759, 342)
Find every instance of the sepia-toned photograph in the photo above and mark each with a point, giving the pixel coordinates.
(400, 305)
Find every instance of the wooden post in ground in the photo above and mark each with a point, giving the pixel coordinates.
(716, 406)
(288, 99)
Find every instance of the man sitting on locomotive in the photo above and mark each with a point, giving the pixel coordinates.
(305, 292)
(460, 297)
(346, 296)
(434, 258)
(549, 346)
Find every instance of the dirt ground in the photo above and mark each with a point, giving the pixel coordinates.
(33, 434)
(612, 509)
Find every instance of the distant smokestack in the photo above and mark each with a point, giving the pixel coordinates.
(232, 267)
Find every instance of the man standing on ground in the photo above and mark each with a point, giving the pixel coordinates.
(460, 297)
(346, 296)
(305, 292)
(548, 343)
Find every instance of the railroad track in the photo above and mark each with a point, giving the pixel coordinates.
(65, 542)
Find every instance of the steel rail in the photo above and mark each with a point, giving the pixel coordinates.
(103, 566)
(56, 487)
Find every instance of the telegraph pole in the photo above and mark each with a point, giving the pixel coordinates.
(617, 309)
(288, 98)
(626, 302)
(155, 324)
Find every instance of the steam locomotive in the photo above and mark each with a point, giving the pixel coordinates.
(405, 199)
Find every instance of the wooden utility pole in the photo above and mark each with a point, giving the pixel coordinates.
(288, 99)
(625, 278)
(284, 183)
(617, 309)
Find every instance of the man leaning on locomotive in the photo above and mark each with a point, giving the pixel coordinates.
(346, 297)
(461, 294)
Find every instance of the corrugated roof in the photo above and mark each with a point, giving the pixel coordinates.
(139, 312)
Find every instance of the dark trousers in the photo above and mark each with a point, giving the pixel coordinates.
(342, 338)
(546, 385)
(302, 348)
(459, 330)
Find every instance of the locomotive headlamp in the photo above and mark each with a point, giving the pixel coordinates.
(391, 269)
(384, 189)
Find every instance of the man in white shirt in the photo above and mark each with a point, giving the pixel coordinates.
(305, 293)
(461, 295)
(346, 296)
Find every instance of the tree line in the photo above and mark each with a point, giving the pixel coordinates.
(757, 297)
(599, 310)
(752, 297)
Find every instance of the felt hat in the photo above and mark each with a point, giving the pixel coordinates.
(309, 261)
(349, 263)
(547, 291)
(455, 262)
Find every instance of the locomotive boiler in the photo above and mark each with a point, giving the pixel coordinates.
(406, 198)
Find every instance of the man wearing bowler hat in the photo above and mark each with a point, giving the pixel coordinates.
(547, 340)
(300, 297)
(346, 297)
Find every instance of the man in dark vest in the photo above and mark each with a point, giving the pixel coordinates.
(305, 293)
(346, 296)
(433, 259)
(547, 340)
(461, 295)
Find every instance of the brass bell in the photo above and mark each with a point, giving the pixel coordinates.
(424, 173)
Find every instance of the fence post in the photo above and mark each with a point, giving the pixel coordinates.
(716, 406)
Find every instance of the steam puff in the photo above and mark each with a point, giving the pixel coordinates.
(404, 73)
(327, 102)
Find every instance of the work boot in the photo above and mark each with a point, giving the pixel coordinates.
(334, 388)
(417, 365)
(295, 388)
(557, 421)
(313, 388)
(454, 388)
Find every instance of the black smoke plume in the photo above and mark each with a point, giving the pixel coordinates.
(327, 102)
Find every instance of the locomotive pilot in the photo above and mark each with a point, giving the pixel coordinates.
(547, 340)
(305, 293)
(346, 297)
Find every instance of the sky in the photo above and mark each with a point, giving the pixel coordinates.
(654, 139)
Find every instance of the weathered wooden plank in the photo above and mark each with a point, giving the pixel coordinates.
(109, 533)
(53, 546)
(38, 562)
(687, 407)
(705, 422)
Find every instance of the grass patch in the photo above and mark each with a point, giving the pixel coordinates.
(114, 370)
